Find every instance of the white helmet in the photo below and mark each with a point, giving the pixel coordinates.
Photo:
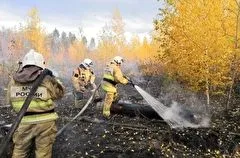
(33, 58)
(118, 59)
(87, 63)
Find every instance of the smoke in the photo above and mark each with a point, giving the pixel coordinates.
(131, 69)
(175, 115)
(179, 117)
(183, 101)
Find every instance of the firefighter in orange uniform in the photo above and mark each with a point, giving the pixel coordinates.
(83, 80)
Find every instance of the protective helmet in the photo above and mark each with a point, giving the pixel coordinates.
(118, 59)
(87, 63)
(33, 58)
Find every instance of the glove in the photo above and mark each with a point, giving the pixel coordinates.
(130, 82)
(92, 90)
(127, 78)
(49, 72)
(94, 87)
(58, 81)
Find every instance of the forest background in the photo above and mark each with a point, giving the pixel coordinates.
(195, 43)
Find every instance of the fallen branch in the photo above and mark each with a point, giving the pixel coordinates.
(127, 126)
(5, 106)
(232, 133)
(6, 126)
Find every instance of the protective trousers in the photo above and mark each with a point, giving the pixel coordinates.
(79, 99)
(43, 134)
(110, 97)
(80, 103)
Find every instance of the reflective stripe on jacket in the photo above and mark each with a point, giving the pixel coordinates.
(41, 103)
(36, 105)
(39, 118)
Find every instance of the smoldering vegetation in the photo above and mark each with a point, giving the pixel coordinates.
(211, 133)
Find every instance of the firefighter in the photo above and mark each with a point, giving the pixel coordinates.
(38, 125)
(83, 80)
(112, 76)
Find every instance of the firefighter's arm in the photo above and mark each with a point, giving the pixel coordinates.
(92, 81)
(75, 81)
(119, 76)
(54, 86)
(130, 82)
(92, 78)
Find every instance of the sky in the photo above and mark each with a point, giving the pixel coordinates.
(89, 15)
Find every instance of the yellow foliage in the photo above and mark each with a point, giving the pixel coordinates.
(35, 34)
(106, 51)
(143, 53)
(117, 24)
(77, 51)
(198, 49)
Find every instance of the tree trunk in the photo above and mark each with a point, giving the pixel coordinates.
(207, 93)
(146, 111)
(133, 110)
(230, 93)
(234, 62)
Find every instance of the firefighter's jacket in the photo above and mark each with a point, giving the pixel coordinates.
(82, 78)
(41, 108)
(112, 76)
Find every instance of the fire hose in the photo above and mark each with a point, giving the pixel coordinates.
(81, 111)
(23, 110)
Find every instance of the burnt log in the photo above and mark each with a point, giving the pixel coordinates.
(142, 110)
(133, 110)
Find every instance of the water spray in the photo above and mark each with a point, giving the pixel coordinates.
(174, 115)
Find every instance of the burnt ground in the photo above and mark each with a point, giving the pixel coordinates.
(123, 137)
